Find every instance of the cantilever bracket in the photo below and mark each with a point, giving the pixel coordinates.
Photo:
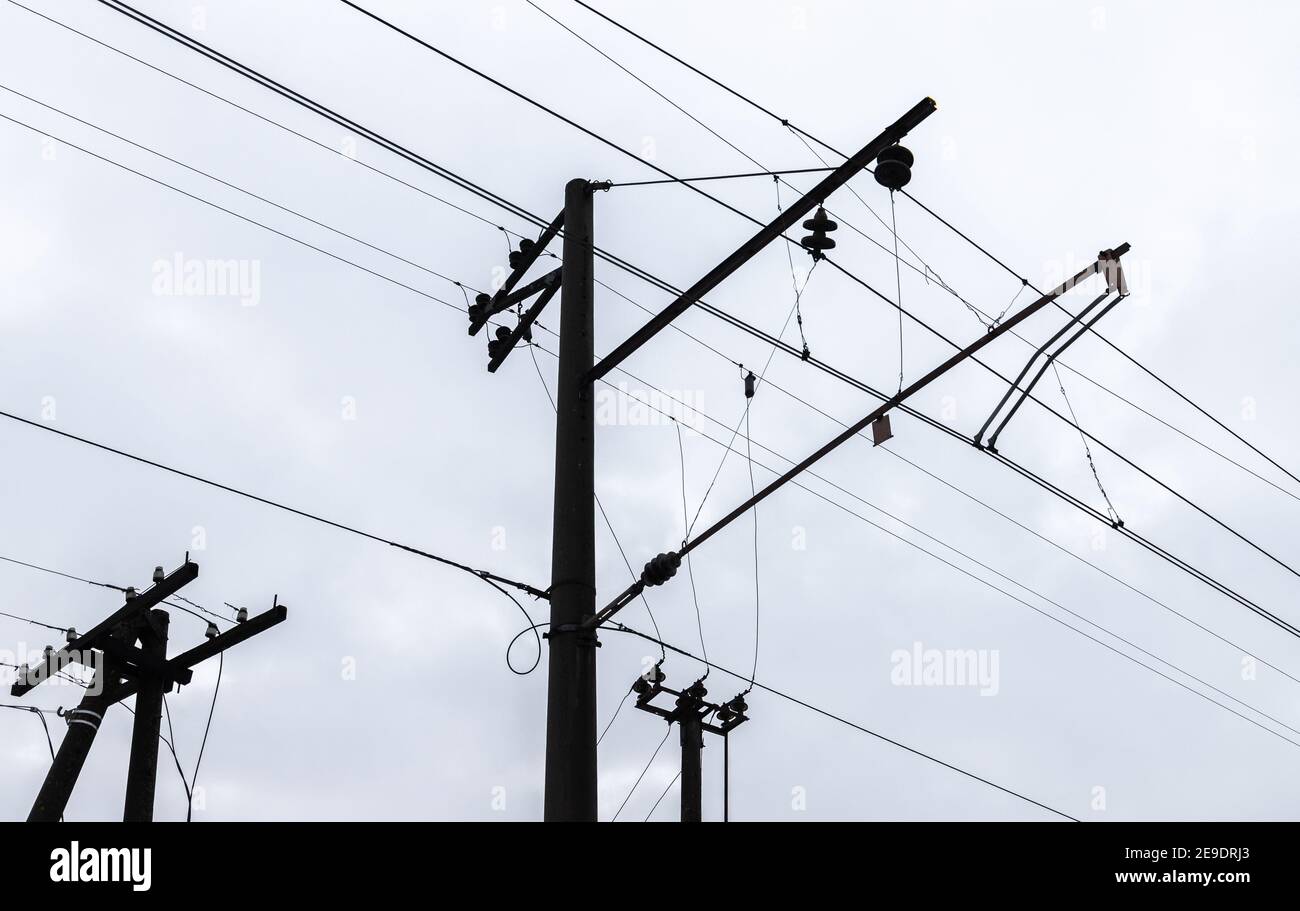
(1108, 264)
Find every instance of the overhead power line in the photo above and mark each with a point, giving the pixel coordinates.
(1005, 593)
(623, 628)
(473, 188)
(445, 561)
(785, 122)
(1042, 482)
(516, 93)
(775, 341)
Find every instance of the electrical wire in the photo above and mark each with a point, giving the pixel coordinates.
(326, 112)
(1032, 607)
(624, 554)
(785, 122)
(749, 456)
(614, 717)
(505, 229)
(171, 746)
(61, 629)
(477, 573)
(690, 571)
(669, 180)
(1087, 450)
(622, 628)
(842, 269)
(194, 778)
(231, 186)
(648, 764)
(514, 209)
(662, 796)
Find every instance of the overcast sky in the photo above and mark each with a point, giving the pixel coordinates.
(1062, 129)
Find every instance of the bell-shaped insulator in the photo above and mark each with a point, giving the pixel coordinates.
(157, 574)
(480, 305)
(212, 631)
(241, 615)
(72, 633)
(497, 345)
(820, 225)
(130, 592)
(894, 167)
(517, 256)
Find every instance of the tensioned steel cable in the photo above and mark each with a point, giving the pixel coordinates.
(516, 93)
(776, 342)
(1013, 597)
(846, 378)
(518, 211)
(324, 111)
(980, 248)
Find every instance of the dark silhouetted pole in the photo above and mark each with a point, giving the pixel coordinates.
(571, 694)
(692, 777)
(83, 725)
(142, 774)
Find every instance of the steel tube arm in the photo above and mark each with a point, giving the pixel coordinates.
(865, 422)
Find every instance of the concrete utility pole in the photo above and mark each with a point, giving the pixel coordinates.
(571, 686)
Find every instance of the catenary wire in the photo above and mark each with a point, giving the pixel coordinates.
(980, 248)
(302, 100)
(1153, 550)
(1024, 603)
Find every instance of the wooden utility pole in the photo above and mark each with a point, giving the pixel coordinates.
(125, 670)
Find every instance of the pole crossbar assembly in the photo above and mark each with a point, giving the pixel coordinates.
(1104, 259)
(99, 636)
(778, 226)
(520, 263)
(693, 715)
(123, 670)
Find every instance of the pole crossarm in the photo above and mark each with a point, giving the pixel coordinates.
(550, 283)
(100, 635)
(777, 227)
(1104, 262)
(183, 662)
(521, 262)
